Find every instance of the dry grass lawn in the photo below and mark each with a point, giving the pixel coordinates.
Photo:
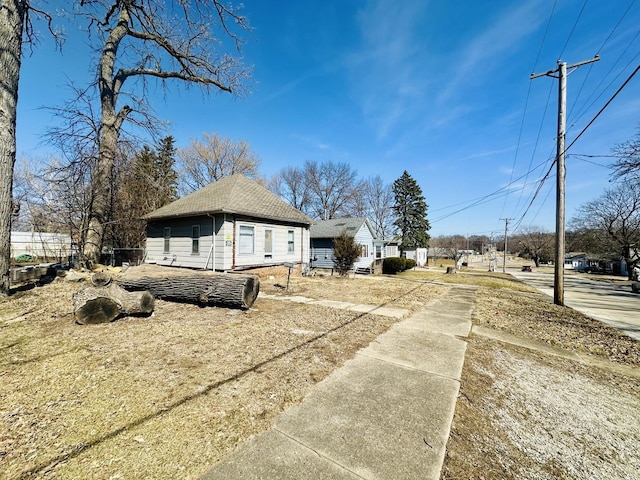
(169, 395)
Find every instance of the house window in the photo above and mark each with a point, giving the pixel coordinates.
(246, 239)
(365, 250)
(195, 239)
(378, 251)
(291, 246)
(167, 238)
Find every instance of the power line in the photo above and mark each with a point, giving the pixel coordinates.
(524, 113)
(573, 28)
(546, 176)
(604, 107)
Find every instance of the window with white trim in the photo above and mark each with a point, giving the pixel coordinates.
(291, 239)
(195, 239)
(167, 240)
(364, 250)
(246, 240)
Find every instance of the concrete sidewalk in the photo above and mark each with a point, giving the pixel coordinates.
(386, 414)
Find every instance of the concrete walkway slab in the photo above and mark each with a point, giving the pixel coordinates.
(429, 320)
(280, 457)
(385, 414)
(435, 353)
(384, 311)
(377, 420)
(356, 307)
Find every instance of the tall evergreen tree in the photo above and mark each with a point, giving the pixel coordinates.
(410, 210)
(148, 181)
(165, 177)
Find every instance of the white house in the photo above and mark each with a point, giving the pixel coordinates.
(231, 224)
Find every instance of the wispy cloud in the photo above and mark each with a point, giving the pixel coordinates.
(385, 72)
(400, 80)
(481, 53)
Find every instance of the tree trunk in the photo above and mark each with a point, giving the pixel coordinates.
(224, 290)
(12, 16)
(110, 123)
(105, 304)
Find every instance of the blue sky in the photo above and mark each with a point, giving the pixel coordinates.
(440, 89)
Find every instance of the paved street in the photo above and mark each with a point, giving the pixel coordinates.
(610, 302)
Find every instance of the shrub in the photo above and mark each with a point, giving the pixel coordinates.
(410, 263)
(393, 265)
(345, 251)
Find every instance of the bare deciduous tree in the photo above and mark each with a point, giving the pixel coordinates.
(374, 199)
(12, 20)
(536, 242)
(628, 158)
(615, 218)
(330, 185)
(15, 29)
(208, 160)
(453, 246)
(290, 184)
(145, 40)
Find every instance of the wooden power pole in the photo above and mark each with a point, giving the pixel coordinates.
(561, 71)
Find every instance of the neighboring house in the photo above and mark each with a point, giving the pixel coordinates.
(41, 245)
(576, 261)
(323, 233)
(230, 224)
(420, 255)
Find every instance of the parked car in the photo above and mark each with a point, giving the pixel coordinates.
(526, 268)
(594, 269)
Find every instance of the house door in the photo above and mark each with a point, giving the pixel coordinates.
(268, 245)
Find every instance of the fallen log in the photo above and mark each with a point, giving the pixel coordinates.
(105, 304)
(224, 290)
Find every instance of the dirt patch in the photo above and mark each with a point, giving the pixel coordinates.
(170, 395)
(522, 414)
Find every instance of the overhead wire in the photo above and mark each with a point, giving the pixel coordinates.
(526, 104)
(584, 110)
(566, 43)
(546, 176)
(604, 43)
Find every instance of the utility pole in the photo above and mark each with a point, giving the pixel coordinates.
(561, 172)
(504, 253)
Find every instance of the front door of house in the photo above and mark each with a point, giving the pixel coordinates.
(268, 245)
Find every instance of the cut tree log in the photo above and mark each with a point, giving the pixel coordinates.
(104, 304)
(224, 290)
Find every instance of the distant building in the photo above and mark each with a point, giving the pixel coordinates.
(41, 245)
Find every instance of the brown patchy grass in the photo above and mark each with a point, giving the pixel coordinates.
(170, 395)
(523, 414)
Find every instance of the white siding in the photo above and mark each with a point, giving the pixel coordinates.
(280, 244)
(225, 253)
(364, 238)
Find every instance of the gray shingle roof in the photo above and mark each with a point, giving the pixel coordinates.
(334, 227)
(236, 194)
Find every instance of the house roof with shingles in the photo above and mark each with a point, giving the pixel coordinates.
(237, 195)
(334, 227)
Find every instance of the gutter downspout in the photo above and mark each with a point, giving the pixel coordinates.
(213, 243)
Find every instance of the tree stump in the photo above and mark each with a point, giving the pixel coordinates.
(224, 290)
(451, 270)
(104, 304)
(635, 287)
